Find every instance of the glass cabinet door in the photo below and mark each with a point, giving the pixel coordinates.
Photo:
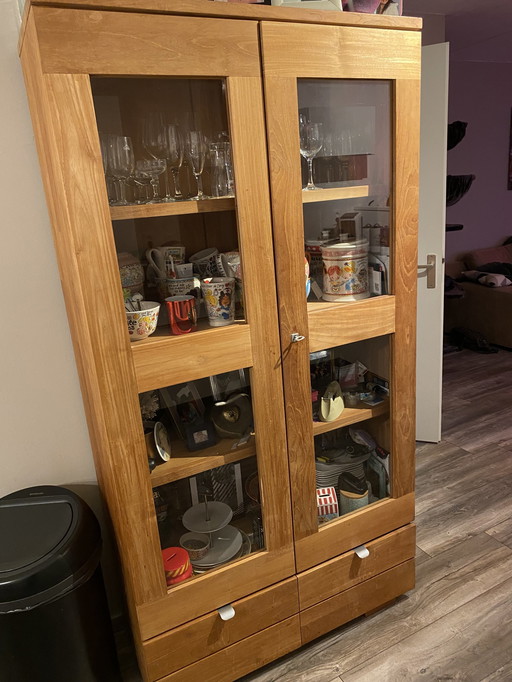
(160, 148)
(342, 110)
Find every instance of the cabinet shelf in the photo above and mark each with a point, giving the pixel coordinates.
(172, 208)
(334, 193)
(351, 415)
(165, 360)
(184, 463)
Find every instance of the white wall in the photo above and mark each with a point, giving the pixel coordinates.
(44, 438)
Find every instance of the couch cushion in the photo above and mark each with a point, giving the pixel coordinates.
(493, 254)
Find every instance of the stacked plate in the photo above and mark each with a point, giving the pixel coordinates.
(327, 473)
(228, 544)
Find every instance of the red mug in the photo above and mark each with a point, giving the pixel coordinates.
(182, 313)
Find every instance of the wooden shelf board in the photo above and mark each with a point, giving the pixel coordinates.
(334, 193)
(172, 208)
(163, 359)
(351, 415)
(335, 324)
(184, 463)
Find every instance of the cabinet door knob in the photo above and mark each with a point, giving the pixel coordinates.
(295, 338)
(362, 552)
(226, 612)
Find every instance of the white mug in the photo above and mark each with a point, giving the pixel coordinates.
(161, 262)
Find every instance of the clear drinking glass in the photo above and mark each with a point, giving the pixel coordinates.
(174, 155)
(120, 163)
(142, 184)
(196, 149)
(224, 140)
(153, 169)
(219, 175)
(311, 140)
(154, 142)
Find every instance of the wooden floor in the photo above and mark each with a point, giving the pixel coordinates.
(457, 623)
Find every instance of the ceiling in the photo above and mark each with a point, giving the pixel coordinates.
(478, 30)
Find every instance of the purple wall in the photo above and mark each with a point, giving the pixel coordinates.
(481, 94)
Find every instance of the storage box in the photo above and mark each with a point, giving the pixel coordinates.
(327, 503)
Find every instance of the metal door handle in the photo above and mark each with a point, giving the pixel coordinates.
(430, 267)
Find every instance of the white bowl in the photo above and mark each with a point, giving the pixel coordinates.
(142, 323)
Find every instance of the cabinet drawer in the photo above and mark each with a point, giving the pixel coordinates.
(241, 658)
(347, 570)
(206, 635)
(362, 598)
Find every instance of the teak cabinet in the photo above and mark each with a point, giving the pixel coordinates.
(247, 75)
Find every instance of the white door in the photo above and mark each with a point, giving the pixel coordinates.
(432, 229)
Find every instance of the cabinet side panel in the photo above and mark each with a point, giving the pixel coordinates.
(70, 158)
(405, 203)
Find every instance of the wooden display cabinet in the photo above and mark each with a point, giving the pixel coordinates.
(245, 73)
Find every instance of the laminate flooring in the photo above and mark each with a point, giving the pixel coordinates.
(457, 622)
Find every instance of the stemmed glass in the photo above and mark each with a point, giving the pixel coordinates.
(120, 163)
(174, 155)
(153, 169)
(196, 149)
(311, 140)
(154, 142)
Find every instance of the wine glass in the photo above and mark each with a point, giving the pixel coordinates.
(174, 155)
(120, 164)
(311, 140)
(196, 149)
(155, 143)
(153, 169)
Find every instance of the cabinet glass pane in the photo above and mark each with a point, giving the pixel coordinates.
(170, 183)
(345, 146)
(350, 408)
(201, 451)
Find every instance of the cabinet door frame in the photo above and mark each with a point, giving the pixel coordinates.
(290, 52)
(61, 49)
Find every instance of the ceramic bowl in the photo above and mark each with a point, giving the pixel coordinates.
(196, 544)
(142, 323)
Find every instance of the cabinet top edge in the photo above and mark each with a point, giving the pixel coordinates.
(208, 8)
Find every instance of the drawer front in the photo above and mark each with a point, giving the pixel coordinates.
(204, 636)
(241, 658)
(361, 526)
(356, 601)
(347, 570)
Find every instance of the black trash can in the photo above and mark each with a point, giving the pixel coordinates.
(54, 619)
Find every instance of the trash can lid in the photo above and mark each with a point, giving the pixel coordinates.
(50, 542)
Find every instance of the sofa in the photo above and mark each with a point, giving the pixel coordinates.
(481, 308)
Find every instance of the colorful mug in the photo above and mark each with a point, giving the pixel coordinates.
(219, 296)
(182, 314)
